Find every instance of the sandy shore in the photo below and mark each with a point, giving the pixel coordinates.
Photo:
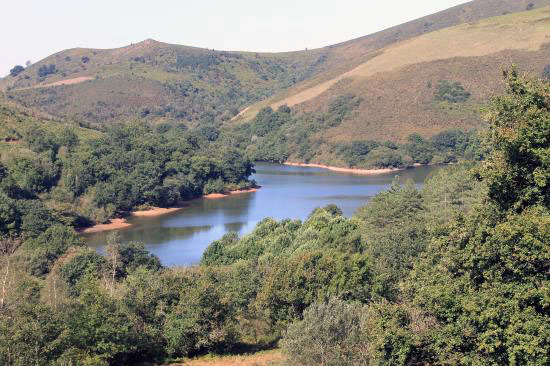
(112, 225)
(115, 224)
(155, 211)
(347, 170)
(222, 195)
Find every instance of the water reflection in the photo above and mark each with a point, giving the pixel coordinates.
(180, 238)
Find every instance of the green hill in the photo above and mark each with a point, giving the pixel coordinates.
(155, 81)
(428, 85)
(161, 82)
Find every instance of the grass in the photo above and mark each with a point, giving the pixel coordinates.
(129, 79)
(522, 31)
(398, 86)
(263, 358)
(15, 120)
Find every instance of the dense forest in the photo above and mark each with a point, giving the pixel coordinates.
(58, 177)
(455, 273)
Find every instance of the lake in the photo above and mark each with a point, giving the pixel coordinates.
(180, 238)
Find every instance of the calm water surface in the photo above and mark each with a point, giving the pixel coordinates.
(287, 192)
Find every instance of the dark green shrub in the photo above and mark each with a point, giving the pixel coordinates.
(16, 70)
(46, 70)
(451, 91)
(330, 334)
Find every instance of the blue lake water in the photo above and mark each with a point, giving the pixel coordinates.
(181, 237)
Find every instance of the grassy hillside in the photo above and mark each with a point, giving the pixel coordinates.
(155, 81)
(428, 85)
(16, 122)
(160, 82)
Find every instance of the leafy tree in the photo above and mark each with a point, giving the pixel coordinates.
(394, 233)
(46, 70)
(485, 278)
(16, 70)
(330, 334)
(49, 246)
(419, 149)
(87, 263)
(518, 171)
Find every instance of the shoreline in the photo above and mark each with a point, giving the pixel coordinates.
(347, 170)
(222, 195)
(122, 223)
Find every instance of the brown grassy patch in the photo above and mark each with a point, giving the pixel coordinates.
(524, 31)
(265, 358)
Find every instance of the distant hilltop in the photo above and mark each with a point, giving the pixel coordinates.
(395, 72)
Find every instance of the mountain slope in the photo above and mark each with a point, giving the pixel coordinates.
(160, 82)
(156, 81)
(399, 83)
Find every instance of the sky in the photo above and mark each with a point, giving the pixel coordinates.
(34, 29)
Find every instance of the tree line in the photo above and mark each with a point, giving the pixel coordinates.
(282, 135)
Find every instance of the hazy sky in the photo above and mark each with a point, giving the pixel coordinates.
(34, 29)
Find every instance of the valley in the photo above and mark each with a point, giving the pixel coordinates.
(383, 201)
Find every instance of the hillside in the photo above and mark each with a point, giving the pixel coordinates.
(431, 85)
(403, 73)
(161, 82)
(155, 81)
(17, 122)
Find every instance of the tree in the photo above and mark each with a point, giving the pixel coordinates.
(8, 247)
(485, 277)
(518, 171)
(46, 70)
(330, 334)
(394, 233)
(16, 70)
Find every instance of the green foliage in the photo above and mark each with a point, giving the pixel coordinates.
(87, 263)
(449, 192)
(32, 175)
(135, 165)
(518, 171)
(485, 277)
(394, 234)
(16, 70)
(132, 256)
(292, 284)
(330, 334)
(47, 247)
(97, 327)
(276, 135)
(452, 92)
(203, 320)
(45, 70)
(279, 136)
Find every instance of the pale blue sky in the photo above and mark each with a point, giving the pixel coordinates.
(34, 29)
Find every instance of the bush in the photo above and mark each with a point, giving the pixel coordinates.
(330, 334)
(452, 92)
(16, 70)
(46, 70)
